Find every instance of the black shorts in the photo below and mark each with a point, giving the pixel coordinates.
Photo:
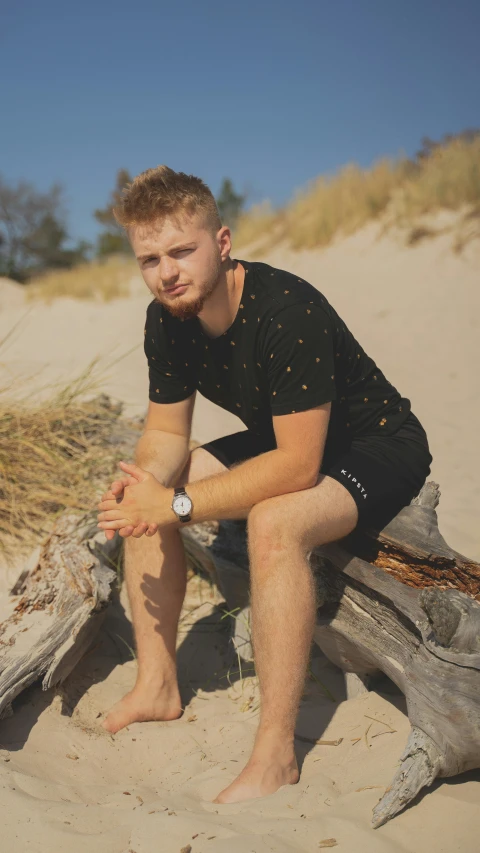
(382, 473)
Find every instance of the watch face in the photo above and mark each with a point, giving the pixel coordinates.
(182, 504)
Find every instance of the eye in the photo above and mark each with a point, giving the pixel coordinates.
(147, 260)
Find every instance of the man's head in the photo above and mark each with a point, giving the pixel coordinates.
(175, 230)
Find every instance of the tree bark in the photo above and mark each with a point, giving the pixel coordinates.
(398, 601)
(57, 608)
(58, 602)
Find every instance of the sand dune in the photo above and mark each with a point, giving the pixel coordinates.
(415, 311)
(65, 784)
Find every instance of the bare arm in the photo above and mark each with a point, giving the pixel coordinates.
(164, 446)
(163, 454)
(294, 465)
(265, 476)
(162, 450)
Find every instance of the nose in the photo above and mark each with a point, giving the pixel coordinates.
(168, 271)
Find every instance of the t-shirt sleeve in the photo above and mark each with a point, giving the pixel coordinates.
(167, 382)
(299, 359)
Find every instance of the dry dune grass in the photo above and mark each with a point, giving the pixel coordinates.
(53, 456)
(448, 179)
(401, 191)
(342, 203)
(100, 281)
(260, 220)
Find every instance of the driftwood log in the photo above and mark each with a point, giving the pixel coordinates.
(58, 603)
(399, 602)
(57, 607)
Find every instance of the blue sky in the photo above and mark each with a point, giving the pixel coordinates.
(270, 94)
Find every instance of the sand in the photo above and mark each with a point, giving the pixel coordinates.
(66, 784)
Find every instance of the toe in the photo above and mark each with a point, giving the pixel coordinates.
(117, 719)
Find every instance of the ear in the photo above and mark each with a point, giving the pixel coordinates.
(224, 241)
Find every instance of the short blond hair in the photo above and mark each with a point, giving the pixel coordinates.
(162, 193)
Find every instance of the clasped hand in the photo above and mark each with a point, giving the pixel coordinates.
(135, 505)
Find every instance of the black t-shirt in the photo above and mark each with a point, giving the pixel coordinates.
(286, 351)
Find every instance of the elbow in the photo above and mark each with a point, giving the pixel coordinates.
(311, 480)
(307, 479)
(301, 474)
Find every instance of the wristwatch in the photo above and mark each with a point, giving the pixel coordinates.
(182, 504)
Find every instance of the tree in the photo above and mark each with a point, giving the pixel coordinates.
(32, 233)
(113, 239)
(46, 245)
(230, 204)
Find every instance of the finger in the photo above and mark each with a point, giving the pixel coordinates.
(120, 485)
(135, 471)
(152, 529)
(107, 504)
(110, 506)
(113, 500)
(109, 534)
(140, 530)
(126, 531)
(110, 496)
(112, 493)
(111, 515)
(122, 482)
(117, 488)
(115, 525)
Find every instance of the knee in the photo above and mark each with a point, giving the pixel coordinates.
(269, 527)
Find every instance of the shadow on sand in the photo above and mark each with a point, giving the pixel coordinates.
(206, 660)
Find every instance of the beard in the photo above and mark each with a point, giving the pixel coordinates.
(185, 307)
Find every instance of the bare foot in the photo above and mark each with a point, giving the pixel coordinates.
(141, 706)
(262, 776)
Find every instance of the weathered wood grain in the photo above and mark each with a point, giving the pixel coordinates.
(398, 601)
(59, 600)
(57, 610)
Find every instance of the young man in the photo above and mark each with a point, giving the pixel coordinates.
(330, 444)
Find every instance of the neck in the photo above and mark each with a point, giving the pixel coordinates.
(221, 308)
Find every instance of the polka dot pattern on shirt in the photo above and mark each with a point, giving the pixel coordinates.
(295, 354)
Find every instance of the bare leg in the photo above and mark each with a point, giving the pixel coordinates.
(283, 612)
(155, 574)
(283, 617)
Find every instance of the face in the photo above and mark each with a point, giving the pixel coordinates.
(181, 262)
